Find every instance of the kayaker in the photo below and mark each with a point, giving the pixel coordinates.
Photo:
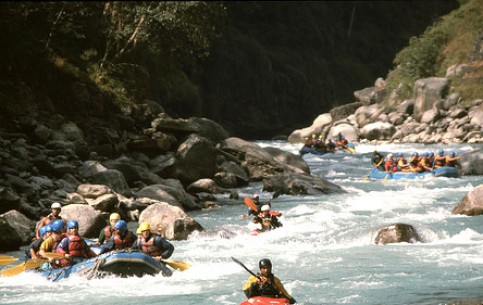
(54, 215)
(377, 160)
(152, 244)
(121, 238)
(267, 220)
(73, 246)
(34, 247)
(266, 284)
(106, 233)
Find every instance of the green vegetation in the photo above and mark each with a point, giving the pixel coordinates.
(450, 41)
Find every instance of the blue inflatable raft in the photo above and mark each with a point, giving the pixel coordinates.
(121, 263)
(446, 171)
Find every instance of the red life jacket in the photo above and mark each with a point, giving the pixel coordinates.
(77, 246)
(108, 232)
(149, 247)
(123, 243)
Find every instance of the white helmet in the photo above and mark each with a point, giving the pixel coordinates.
(56, 205)
(265, 207)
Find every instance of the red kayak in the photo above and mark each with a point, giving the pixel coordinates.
(265, 301)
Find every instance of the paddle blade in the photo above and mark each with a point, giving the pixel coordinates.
(249, 203)
(30, 264)
(182, 266)
(7, 261)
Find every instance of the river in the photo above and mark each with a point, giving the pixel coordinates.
(324, 253)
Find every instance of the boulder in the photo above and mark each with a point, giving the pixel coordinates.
(169, 221)
(471, 204)
(397, 233)
(90, 221)
(428, 91)
(297, 184)
(378, 131)
(15, 230)
(317, 127)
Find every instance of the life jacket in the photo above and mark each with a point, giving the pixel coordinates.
(149, 247)
(268, 288)
(123, 243)
(439, 162)
(108, 232)
(401, 162)
(390, 166)
(450, 162)
(77, 246)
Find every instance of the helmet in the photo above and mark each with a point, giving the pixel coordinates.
(431, 153)
(265, 262)
(144, 226)
(313, 135)
(256, 196)
(57, 225)
(399, 154)
(453, 154)
(114, 216)
(44, 230)
(56, 205)
(321, 137)
(265, 207)
(121, 225)
(73, 224)
(440, 152)
(389, 156)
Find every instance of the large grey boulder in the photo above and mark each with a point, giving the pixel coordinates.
(428, 91)
(317, 127)
(90, 221)
(169, 221)
(471, 204)
(15, 230)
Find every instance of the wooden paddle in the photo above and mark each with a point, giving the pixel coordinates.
(181, 266)
(30, 264)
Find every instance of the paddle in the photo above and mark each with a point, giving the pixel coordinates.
(249, 203)
(7, 260)
(30, 264)
(244, 267)
(181, 266)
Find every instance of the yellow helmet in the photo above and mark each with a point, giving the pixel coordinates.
(144, 226)
(114, 216)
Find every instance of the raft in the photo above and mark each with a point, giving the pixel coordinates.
(446, 171)
(120, 263)
(265, 301)
(307, 150)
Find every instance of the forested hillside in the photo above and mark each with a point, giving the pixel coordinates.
(259, 68)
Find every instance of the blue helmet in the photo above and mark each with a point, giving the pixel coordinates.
(441, 152)
(73, 224)
(121, 225)
(431, 154)
(399, 154)
(57, 225)
(43, 230)
(453, 154)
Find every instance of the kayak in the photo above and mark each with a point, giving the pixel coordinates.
(265, 301)
(121, 263)
(446, 171)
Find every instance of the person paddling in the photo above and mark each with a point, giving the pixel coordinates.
(267, 220)
(73, 246)
(121, 238)
(34, 247)
(266, 284)
(377, 160)
(152, 244)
